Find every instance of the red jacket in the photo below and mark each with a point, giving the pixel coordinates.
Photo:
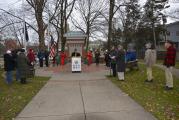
(89, 58)
(63, 57)
(170, 57)
(31, 56)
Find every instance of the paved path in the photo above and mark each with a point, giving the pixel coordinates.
(82, 96)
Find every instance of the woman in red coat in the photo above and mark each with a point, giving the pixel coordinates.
(31, 56)
(89, 57)
(62, 56)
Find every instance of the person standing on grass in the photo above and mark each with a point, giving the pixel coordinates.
(113, 55)
(169, 63)
(15, 55)
(97, 57)
(23, 66)
(8, 66)
(150, 60)
(120, 62)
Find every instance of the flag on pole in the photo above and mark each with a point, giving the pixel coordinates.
(52, 47)
(26, 36)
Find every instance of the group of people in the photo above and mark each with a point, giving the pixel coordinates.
(17, 60)
(59, 59)
(117, 58)
(22, 63)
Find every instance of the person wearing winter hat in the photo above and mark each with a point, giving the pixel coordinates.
(150, 60)
(8, 66)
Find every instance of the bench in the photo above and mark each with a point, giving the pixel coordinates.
(131, 65)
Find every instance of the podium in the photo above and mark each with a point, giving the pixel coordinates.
(76, 64)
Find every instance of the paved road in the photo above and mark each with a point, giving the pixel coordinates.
(82, 96)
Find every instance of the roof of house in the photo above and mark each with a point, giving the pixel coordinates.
(75, 34)
(174, 23)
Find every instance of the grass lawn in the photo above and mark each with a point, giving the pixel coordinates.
(152, 96)
(14, 98)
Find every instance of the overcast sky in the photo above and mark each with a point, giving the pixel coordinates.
(6, 4)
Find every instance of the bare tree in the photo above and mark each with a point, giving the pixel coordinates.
(66, 10)
(11, 26)
(90, 13)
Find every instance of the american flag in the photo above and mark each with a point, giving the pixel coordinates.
(52, 47)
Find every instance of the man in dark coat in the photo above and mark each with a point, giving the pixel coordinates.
(75, 53)
(23, 66)
(41, 57)
(169, 62)
(46, 55)
(113, 55)
(107, 58)
(120, 61)
(97, 56)
(8, 66)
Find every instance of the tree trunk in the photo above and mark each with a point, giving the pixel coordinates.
(41, 29)
(87, 39)
(111, 10)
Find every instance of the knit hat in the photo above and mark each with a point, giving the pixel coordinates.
(8, 52)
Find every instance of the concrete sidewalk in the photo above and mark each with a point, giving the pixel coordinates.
(82, 96)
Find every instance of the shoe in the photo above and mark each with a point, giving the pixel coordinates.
(149, 81)
(168, 88)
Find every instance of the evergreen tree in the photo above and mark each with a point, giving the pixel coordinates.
(131, 21)
(151, 18)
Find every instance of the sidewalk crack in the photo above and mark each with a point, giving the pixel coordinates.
(82, 100)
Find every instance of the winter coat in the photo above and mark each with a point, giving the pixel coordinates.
(63, 57)
(120, 60)
(113, 55)
(170, 57)
(97, 56)
(57, 59)
(31, 56)
(8, 62)
(150, 57)
(23, 65)
(40, 55)
(89, 58)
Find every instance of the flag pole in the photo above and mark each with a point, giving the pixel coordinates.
(24, 36)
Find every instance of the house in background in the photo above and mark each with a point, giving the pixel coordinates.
(173, 33)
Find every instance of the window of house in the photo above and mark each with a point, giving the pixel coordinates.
(177, 33)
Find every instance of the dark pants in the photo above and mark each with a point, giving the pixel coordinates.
(97, 61)
(41, 62)
(107, 63)
(46, 62)
(113, 67)
(9, 77)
